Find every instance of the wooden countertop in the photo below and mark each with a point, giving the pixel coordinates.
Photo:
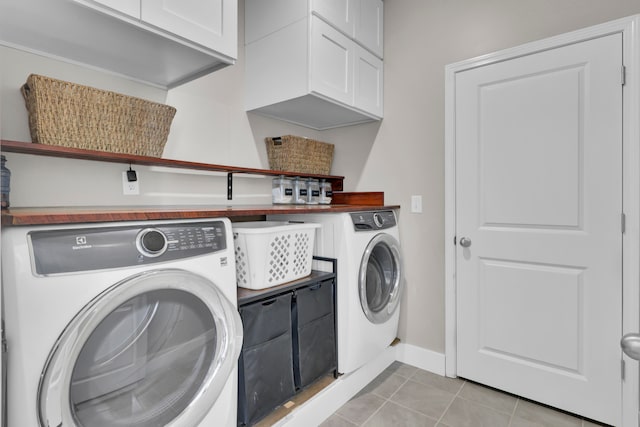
(71, 215)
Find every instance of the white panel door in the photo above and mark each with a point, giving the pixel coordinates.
(340, 13)
(210, 23)
(539, 202)
(331, 62)
(370, 25)
(368, 82)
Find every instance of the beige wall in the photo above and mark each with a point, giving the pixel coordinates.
(402, 155)
(421, 37)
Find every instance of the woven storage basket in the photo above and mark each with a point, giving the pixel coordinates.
(72, 115)
(291, 153)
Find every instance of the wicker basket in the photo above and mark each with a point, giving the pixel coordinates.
(71, 115)
(291, 153)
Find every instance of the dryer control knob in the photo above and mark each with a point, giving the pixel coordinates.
(378, 219)
(151, 242)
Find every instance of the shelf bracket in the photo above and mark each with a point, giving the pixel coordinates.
(230, 186)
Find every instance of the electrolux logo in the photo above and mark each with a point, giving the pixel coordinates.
(81, 243)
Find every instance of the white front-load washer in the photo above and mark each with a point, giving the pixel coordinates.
(121, 324)
(370, 279)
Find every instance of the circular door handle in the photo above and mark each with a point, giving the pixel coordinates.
(630, 344)
(465, 242)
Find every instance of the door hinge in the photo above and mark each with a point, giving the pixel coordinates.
(623, 222)
(622, 370)
(623, 75)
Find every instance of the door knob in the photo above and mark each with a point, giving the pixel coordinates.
(630, 344)
(465, 242)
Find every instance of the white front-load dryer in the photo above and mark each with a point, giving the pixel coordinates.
(121, 324)
(370, 279)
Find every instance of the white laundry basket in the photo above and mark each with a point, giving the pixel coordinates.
(269, 253)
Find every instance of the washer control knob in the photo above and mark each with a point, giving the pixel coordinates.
(151, 242)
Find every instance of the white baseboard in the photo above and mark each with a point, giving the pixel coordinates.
(421, 358)
(330, 399)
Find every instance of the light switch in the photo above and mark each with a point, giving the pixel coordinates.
(416, 204)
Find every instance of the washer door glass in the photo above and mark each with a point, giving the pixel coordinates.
(153, 350)
(380, 279)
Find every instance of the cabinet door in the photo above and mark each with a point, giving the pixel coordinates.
(369, 25)
(339, 13)
(368, 82)
(210, 23)
(331, 62)
(127, 7)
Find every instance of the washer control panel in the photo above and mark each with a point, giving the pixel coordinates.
(376, 220)
(86, 249)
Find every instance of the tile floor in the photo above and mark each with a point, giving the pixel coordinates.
(405, 396)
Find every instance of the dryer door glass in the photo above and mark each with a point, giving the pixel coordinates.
(145, 361)
(380, 279)
(143, 354)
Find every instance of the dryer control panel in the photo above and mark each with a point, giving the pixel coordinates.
(97, 248)
(370, 221)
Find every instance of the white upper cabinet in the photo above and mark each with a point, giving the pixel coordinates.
(368, 82)
(369, 25)
(331, 62)
(360, 20)
(303, 68)
(343, 70)
(205, 22)
(164, 43)
(211, 23)
(340, 13)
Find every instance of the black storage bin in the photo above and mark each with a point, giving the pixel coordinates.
(266, 319)
(266, 362)
(315, 301)
(314, 343)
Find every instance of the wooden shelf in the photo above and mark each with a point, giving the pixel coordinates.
(345, 202)
(103, 156)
